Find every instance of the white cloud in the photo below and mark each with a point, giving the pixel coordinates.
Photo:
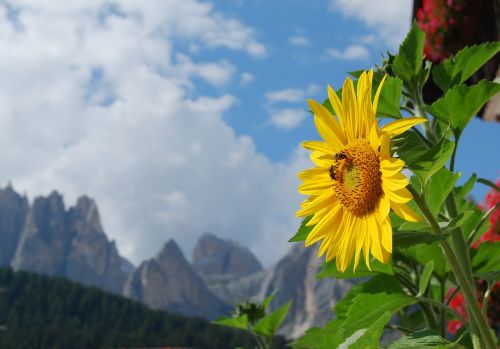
(299, 40)
(288, 119)
(95, 99)
(246, 78)
(352, 52)
(390, 19)
(291, 95)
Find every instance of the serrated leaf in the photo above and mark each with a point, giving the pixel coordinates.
(438, 187)
(408, 62)
(270, 323)
(409, 147)
(390, 98)
(459, 105)
(329, 270)
(433, 160)
(365, 303)
(486, 258)
(238, 322)
(458, 68)
(403, 240)
(421, 226)
(425, 277)
(303, 231)
(423, 340)
(327, 337)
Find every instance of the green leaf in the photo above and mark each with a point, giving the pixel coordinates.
(490, 276)
(390, 98)
(421, 226)
(486, 258)
(438, 187)
(409, 146)
(328, 337)
(269, 299)
(433, 160)
(423, 340)
(459, 105)
(238, 322)
(459, 220)
(458, 68)
(425, 278)
(407, 239)
(303, 231)
(408, 62)
(366, 302)
(425, 253)
(329, 270)
(368, 337)
(268, 325)
(465, 189)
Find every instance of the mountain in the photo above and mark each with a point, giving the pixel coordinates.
(168, 282)
(215, 256)
(46, 238)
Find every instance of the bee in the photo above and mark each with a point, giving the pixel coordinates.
(332, 170)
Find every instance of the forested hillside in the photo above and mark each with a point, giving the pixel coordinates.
(48, 313)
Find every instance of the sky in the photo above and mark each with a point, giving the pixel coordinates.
(181, 117)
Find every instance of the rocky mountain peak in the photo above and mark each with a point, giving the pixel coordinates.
(215, 256)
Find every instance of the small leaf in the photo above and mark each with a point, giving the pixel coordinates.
(423, 339)
(433, 160)
(465, 189)
(303, 231)
(268, 325)
(409, 146)
(459, 105)
(422, 226)
(238, 322)
(390, 98)
(486, 258)
(408, 62)
(403, 240)
(438, 187)
(425, 277)
(268, 300)
(458, 68)
(459, 220)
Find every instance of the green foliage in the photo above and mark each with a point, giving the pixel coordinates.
(303, 231)
(390, 98)
(486, 258)
(424, 339)
(461, 103)
(458, 68)
(402, 239)
(438, 188)
(407, 64)
(252, 317)
(425, 277)
(432, 160)
(46, 313)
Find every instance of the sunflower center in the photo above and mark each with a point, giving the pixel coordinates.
(357, 180)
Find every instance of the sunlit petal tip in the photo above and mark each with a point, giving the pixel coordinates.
(399, 126)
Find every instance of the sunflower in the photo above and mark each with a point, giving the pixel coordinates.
(356, 181)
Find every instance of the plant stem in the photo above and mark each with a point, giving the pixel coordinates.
(442, 307)
(453, 154)
(479, 324)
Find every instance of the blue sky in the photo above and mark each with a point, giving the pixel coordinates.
(182, 116)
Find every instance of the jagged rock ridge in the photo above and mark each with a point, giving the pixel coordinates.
(169, 282)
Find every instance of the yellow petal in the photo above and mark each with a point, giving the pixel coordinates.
(319, 202)
(336, 105)
(313, 173)
(327, 134)
(391, 166)
(399, 196)
(399, 126)
(384, 207)
(324, 226)
(395, 182)
(317, 146)
(324, 114)
(321, 160)
(405, 212)
(315, 187)
(349, 102)
(387, 235)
